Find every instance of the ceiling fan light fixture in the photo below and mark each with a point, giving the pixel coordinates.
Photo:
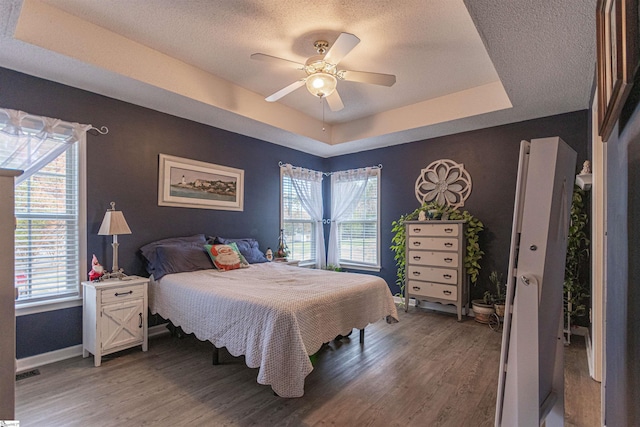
(321, 84)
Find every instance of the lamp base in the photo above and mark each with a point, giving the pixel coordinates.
(113, 275)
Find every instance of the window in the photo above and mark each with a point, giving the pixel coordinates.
(355, 206)
(358, 233)
(47, 232)
(301, 217)
(49, 205)
(355, 211)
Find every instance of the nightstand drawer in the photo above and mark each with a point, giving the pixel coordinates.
(433, 230)
(433, 243)
(433, 290)
(440, 275)
(122, 293)
(438, 259)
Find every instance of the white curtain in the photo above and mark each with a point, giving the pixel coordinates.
(347, 188)
(308, 186)
(29, 143)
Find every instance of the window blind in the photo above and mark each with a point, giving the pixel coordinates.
(48, 230)
(358, 233)
(299, 228)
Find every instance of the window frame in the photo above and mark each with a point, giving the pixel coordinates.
(26, 307)
(361, 265)
(305, 262)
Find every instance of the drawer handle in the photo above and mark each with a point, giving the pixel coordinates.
(416, 243)
(446, 292)
(448, 230)
(140, 324)
(416, 288)
(448, 260)
(417, 230)
(123, 293)
(417, 258)
(448, 244)
(416, 273)
(447, 276)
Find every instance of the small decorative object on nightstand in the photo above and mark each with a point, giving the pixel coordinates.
(114, 316)
(283, 251)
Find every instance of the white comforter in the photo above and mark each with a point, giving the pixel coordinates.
(274, 314)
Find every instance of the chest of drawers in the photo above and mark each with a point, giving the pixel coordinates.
(435, 264)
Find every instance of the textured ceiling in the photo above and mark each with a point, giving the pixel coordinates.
(459, 66)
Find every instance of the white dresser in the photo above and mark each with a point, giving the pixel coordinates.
(435, 264)
(114, 316)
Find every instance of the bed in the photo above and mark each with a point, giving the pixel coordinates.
(274, 314)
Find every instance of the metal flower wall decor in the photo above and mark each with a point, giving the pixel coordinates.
(444, 181)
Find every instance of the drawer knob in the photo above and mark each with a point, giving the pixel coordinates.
(417, 258)
(416, 273)
(119, 294)
(446, 276)
(416, 288)
(448, 259)
(448, 230)
(416, 243)
(446, 292)
(448, 244)
(417, 230)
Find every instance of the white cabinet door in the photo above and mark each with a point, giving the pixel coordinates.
(122, 324)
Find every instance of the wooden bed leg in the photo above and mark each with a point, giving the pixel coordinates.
(362, 336)
(215, 359)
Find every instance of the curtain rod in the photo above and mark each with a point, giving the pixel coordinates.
(378, 166)
(102, 131)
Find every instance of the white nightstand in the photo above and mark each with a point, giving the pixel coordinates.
(114, 316)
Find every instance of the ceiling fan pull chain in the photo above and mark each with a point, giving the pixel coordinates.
(321, 102)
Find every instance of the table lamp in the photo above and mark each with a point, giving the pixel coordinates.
(112, 225)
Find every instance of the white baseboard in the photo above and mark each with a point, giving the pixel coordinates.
(32, 362)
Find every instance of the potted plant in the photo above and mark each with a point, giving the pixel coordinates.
(473, 227)
(500, 297)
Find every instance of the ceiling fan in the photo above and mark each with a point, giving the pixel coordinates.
(323, 73)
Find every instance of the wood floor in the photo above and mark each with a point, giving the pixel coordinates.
(427, 370)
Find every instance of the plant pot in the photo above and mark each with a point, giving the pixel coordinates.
(481, 310)
(499, 309)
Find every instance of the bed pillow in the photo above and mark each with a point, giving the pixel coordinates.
(180, 258)
(248, 247)
(150, 253)
(226, 257)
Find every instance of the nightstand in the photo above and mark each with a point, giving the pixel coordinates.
(114, 316)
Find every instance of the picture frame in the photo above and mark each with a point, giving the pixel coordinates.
(187, 183)
(617, 59)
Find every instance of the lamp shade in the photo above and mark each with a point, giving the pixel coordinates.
(113, 223)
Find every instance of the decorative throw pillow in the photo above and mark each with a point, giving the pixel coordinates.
(248, 247)
(226, 257)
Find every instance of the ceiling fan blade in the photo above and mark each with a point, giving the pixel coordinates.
(371, 78)
(278, 61)
(285, 91)
(341, 47)
(334, 101)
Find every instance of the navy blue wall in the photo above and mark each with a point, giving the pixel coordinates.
(122, 167)
(491, 158)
